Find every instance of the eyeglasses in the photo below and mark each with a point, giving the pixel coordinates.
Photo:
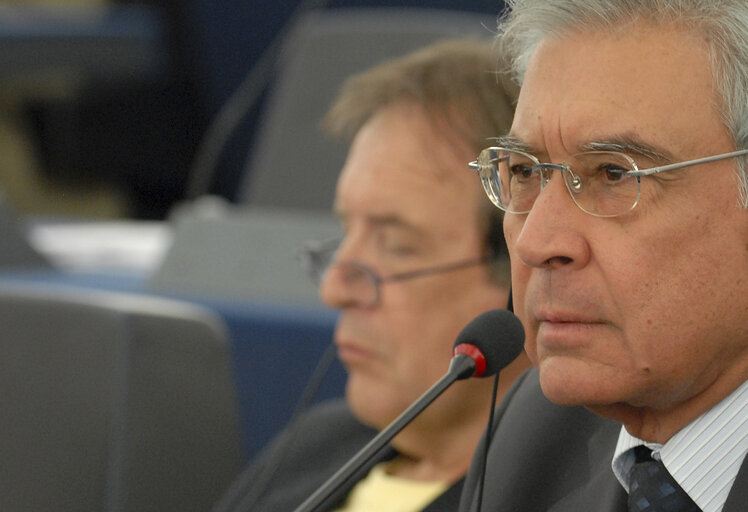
(363, 282)
(601, 183)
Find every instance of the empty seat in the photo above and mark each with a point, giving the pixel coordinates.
(113, 402)
(292, 163)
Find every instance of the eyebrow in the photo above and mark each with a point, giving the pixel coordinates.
(629, 145)
(391, 221)
(512, 142)
(381, 221)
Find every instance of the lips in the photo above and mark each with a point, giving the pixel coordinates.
(566, 330)
(355, 351)
(350, 353)
(554, 316)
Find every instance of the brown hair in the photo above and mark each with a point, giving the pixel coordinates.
(456, 80)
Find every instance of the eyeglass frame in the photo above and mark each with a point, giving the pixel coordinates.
(637, 173)
(375, 278)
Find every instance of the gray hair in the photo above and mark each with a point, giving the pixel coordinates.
(724, 23)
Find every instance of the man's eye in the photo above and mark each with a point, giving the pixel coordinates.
(396, 249)
(521, 171)
(612, 173)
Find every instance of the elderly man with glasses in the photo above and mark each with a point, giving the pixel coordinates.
(422, 254)
(623, 182)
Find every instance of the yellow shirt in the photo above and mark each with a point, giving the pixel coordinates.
(380, 492)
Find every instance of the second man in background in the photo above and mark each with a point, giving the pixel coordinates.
(422, 254)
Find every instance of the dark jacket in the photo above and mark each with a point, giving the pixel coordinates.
(544, 457)
(323, 441)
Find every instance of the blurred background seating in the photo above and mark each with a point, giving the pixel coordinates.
(121, 92)
(113, 402)
(291, 163)
(171, 151)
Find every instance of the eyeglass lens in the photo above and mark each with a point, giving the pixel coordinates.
(360, 282)
(597, 180)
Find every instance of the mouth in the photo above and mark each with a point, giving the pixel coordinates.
(352, 354)
(565, 330)
(566, 317)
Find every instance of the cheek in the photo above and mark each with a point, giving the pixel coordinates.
(520, 276)
(673, 292)
(512, 226)
(520, 271)
(416, 337)
(427, 316)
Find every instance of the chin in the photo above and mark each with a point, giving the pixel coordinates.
(571, 383)
(370, 404)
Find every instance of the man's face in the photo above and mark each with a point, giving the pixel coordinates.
(648, 309)
(407, 201)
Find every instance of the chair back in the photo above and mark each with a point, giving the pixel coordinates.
(292, 163)
(113, 402)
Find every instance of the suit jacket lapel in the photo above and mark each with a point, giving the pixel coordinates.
(601, 492)
(738, 497)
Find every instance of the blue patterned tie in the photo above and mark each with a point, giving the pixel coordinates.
(653, 489)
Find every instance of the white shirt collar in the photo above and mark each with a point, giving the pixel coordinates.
(704, 457)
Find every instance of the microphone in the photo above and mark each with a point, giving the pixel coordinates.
(485, 346)
(491, 340)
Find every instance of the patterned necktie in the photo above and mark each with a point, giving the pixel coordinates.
(653, 489)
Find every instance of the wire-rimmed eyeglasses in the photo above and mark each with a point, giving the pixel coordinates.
(363, 282)
(601, 183)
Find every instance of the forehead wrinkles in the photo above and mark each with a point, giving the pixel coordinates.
(545, 132)
(543, 109)
(597, 86)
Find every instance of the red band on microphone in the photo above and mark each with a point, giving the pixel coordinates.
(473, 353)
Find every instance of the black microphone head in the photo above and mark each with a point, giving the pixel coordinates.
(498, 335)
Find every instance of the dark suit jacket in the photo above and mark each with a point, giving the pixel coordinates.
(323, 441)
(544, 457)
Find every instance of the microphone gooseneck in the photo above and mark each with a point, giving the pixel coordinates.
(486, 345)
(507, 328)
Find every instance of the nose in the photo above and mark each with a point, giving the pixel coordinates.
(551, 234)
(341, 284)
(335, 290)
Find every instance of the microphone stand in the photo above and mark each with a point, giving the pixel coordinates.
(460, 367)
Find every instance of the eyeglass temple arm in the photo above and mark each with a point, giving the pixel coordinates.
(680, 165)
(475, 166)
(433, 270)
